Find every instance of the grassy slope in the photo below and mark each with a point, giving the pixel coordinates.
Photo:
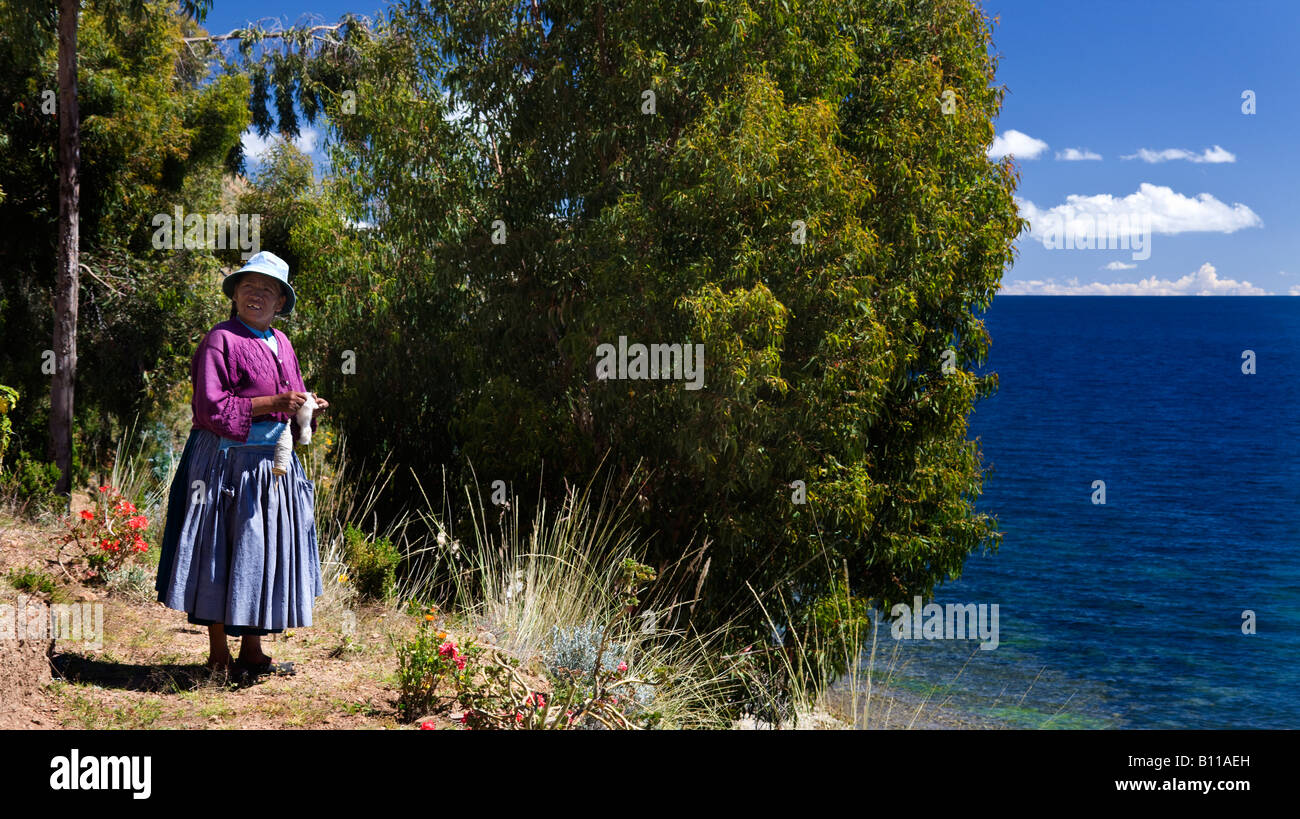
(150, 671)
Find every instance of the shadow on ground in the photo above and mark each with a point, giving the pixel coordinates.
(161, 679)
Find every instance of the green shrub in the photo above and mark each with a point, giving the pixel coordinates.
(32, 483)
(30, 580)
(373, 563)
(132, 581)
(421, 667)
(8, 397)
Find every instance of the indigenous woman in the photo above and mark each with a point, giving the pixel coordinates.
(239, 551)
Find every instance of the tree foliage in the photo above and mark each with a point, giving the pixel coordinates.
(800, 186)
(824, 360)
(157, 132)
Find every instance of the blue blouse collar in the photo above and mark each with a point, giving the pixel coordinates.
(267, 333)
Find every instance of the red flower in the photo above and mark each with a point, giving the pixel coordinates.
(519, 717)
(103, 489)
(464, 718)
(622, 666)
(460, 663)
(138, 522)
(86, 514)
(427, 726)
(447, 649)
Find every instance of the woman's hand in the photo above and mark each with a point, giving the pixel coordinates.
(284, 402)
(292, 401)
(321, 404)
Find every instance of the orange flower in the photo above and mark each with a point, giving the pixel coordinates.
(430, 617)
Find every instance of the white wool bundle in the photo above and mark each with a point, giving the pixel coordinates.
(304, 420)
(284, 446)
(283, 451)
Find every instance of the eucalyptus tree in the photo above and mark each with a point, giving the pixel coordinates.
(801, 187)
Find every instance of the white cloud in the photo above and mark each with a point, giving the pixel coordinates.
(1294, 291)
(1076, 155)
(1167, 212)
(1018, 144)
(1213, 155)
(257, 148)
(1204, 282)
(1119, 266)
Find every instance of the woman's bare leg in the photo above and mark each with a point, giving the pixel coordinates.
(250, 650)
(218, 649)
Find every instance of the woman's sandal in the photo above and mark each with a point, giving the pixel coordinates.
(239, 667)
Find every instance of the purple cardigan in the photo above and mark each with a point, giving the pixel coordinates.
(230, 368)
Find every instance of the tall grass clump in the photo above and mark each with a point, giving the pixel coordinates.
(560, 610)
(142, 471)
(361, 559)
(817, 654)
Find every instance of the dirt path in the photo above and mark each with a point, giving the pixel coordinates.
(150, 670)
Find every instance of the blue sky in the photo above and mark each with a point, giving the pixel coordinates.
(1188, 195)
(1123, 78)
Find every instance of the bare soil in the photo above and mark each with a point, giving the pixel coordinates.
(150, 671)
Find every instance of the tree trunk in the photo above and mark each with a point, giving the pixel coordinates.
(66, 286)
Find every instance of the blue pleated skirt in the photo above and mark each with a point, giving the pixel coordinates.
(239, 545)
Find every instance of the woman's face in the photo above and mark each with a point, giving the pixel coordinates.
(259, 298)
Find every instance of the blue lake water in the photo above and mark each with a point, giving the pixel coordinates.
(1129, 613)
